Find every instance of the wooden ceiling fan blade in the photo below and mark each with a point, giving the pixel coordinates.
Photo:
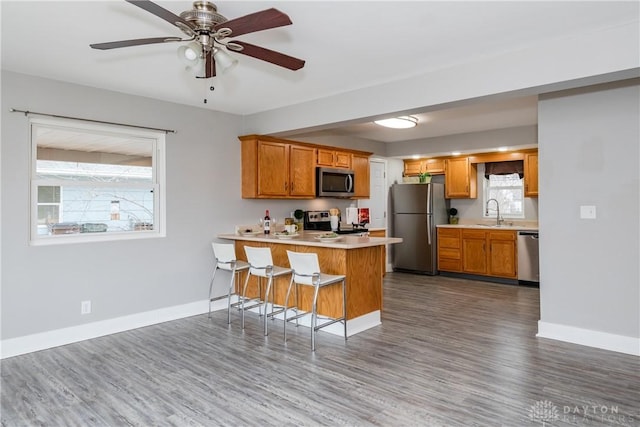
(268, 55)
(162, 13)
(258, 21)
(134, 42)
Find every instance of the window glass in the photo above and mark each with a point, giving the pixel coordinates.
(508, 190)
(95, 182)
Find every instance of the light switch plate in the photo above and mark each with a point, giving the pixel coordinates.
(587, 212)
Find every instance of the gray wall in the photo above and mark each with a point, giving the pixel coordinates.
(42, 286)
(588, 155)
(514, 138)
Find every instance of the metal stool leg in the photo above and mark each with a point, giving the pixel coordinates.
(286, 306)
(213, 276)
(244, 293)
(314, 316)
(344, 307)
(266, 304)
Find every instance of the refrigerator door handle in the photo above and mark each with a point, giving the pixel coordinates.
(429, 229)
(429, 202)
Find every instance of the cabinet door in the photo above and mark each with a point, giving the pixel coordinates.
(434, 166)
(502, 254)
(460, 178)
(342, 160)
(325, 158)
(531, 175)
(302, 171)
(412, 167)
(474, 254)
(273, 169)
(502, 258)
(361, 171)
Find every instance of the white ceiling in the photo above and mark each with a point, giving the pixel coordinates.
(347, 45)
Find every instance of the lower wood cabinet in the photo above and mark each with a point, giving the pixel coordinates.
(449, 249)
(478, 251)
(383, 249)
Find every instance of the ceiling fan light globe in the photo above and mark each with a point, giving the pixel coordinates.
(190, 54)
(224, 61)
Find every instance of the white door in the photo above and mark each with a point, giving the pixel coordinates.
(377, 203)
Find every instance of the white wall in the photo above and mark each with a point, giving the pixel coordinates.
(589, 155)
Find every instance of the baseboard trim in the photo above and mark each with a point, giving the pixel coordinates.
(50, 339)
(44, 340)
(602, 340)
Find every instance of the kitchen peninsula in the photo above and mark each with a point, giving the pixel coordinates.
(359, 258)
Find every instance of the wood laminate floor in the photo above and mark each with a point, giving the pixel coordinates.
(450, 352)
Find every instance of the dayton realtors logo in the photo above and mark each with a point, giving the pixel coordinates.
(545, 411)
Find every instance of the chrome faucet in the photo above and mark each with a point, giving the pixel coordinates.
(498, 220)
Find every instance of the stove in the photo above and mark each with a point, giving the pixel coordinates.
(317, 220)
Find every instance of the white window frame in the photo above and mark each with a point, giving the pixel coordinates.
(158, 182)
(492, 208)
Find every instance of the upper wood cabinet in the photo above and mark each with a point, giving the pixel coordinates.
(333, 158)
(276, 170)
(531, 175)
(361, 170)
(412, 167)
(416, 167)
(460, 178)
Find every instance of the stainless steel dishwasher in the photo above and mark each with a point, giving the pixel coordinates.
(528, 264)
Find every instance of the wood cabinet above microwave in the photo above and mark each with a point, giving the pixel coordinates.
(333, 158)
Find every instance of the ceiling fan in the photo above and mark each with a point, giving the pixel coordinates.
(208, 33)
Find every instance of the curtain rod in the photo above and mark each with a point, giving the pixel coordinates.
(26, 112)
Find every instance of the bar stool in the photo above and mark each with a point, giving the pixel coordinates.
(225, 256)
(261, 266)
(306, 272)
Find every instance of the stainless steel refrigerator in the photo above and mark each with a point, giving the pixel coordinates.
(416, 210)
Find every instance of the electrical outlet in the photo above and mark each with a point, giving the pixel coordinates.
(587, 212)
(85, 307)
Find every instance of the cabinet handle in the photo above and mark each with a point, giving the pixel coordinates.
(292, 186)
(286, 185)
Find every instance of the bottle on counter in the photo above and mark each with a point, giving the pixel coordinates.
(267, 222)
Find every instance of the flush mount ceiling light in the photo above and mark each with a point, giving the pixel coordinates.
(402, 122)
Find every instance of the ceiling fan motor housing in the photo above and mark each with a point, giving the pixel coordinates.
(204, 15)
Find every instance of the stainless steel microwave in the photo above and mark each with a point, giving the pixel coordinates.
(334, 182)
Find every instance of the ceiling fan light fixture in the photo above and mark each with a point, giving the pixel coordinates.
(402, 122)
(223, 59)
(190, 54)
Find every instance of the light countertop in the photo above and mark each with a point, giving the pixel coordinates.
(492, 226)
(309, 238)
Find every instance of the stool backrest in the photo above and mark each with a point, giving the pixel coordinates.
(224, 252)
(258, 258)
(304, 266)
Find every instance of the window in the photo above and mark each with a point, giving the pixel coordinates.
(94, 182)
(508, 190)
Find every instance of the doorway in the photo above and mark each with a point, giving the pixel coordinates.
(377, 202)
